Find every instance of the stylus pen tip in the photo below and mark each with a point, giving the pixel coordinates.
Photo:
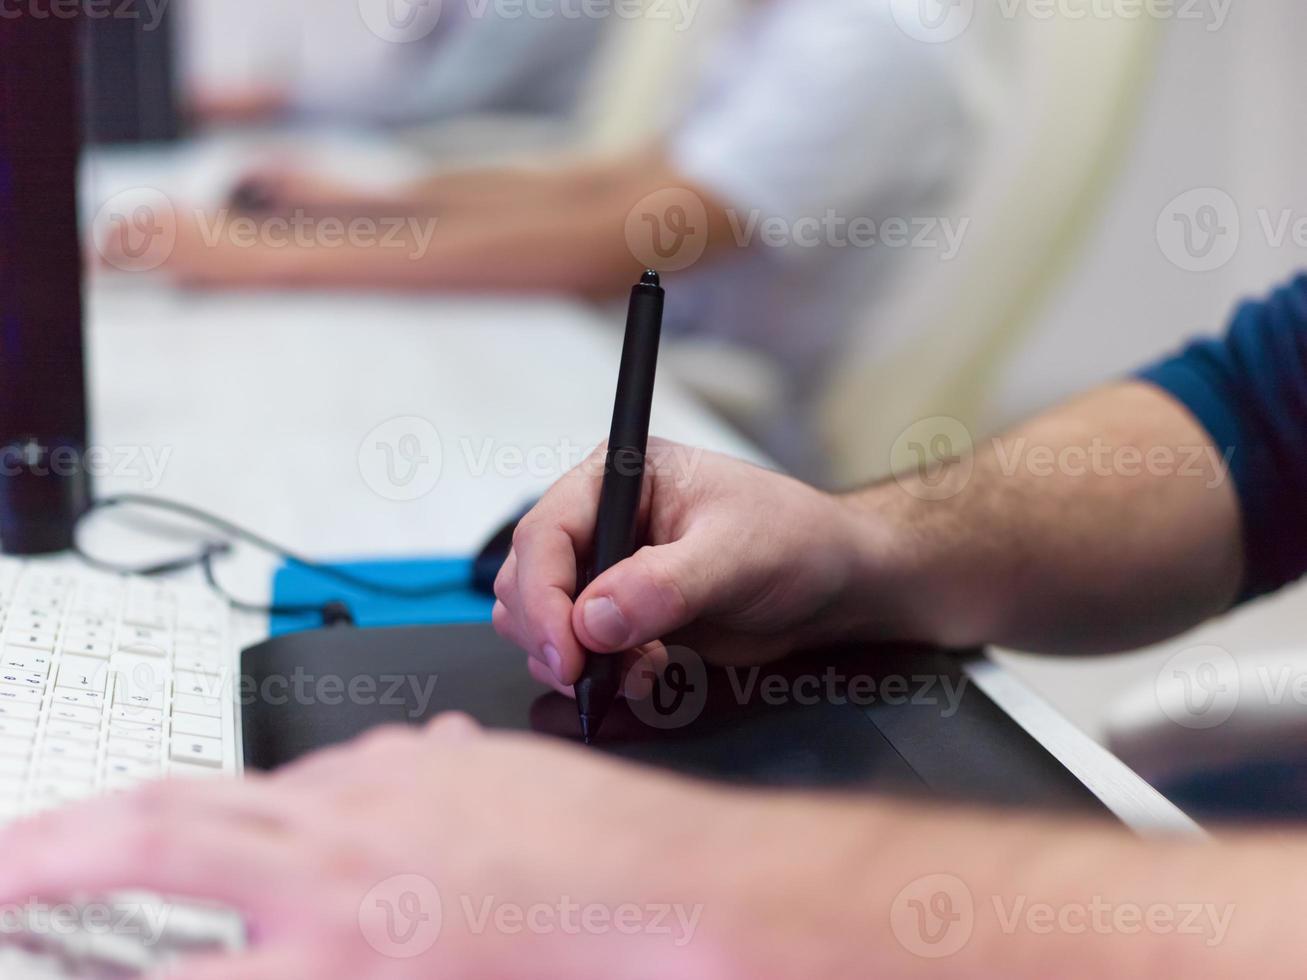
(588, 729)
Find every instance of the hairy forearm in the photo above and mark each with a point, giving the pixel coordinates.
(888, 890)
(1106, 524)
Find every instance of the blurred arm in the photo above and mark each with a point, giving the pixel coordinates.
(531, 231)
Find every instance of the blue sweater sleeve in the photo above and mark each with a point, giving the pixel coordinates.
(1249, 391)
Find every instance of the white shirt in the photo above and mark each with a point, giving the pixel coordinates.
(396, 61)
(468, 63)
(815, 113)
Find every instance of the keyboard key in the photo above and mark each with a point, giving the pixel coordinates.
(136, 695)
(190, 704)
(199, 663)
(20, 746)
(61, 748)
(147, 617)
(90, 699)
(119, 767)
(66, 770)
(19, 728)
(196, 725)
(23, 710)
(140, 639)
(29, 623)
(31, 641)
(202, 684)
(79, 731)
(84, 625)
(130, 748)
(52, 791)
(87, 646)
(188, 770)
(35, 682)
(83, 674)
(73, 712)
(150, 734)
(197, 751)
(25, 661)
(17, 694)
(145, 716)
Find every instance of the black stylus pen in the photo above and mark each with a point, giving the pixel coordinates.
(619, 499)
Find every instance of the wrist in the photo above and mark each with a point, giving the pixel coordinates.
(912, 574)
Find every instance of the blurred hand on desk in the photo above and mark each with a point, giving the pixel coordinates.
(564, 228)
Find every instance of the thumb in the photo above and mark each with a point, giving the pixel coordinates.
(655, 592)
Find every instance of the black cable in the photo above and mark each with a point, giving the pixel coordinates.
(333, 612)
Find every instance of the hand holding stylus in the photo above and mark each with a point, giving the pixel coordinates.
(740, 564)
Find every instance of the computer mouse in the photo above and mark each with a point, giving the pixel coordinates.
(491, 558)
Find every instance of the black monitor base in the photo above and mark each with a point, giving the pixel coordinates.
(44, 488)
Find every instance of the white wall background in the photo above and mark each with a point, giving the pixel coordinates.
(1227, 109)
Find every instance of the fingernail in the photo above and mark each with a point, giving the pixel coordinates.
(606, 623)
(554, 659)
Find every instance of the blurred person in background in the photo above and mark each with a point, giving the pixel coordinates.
(410, 63)
(809, 114)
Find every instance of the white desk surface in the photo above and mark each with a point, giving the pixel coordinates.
(259, 406)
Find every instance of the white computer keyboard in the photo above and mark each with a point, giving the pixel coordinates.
(109, 680)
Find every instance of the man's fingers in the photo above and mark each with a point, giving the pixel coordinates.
(545, 676)
(127, 844)
(546, 582)
(656, 592)
(641, 669)
(455, 726)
